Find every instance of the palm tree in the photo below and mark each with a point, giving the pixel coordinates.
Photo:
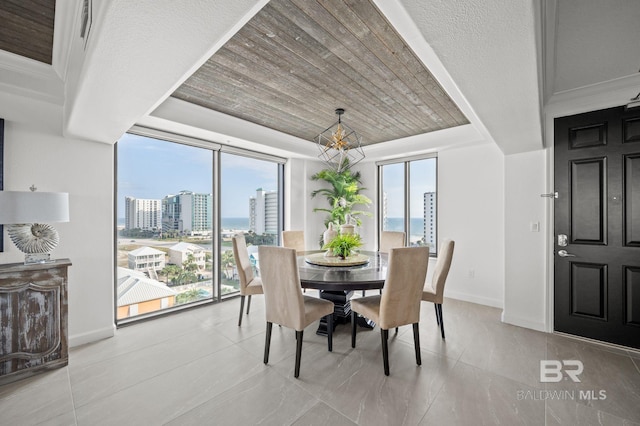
(228, 261)
(343, 195)
(188, 296)
(170, 271)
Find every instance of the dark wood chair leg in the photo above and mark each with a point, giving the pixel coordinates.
(353, 328)
(241, 309)
(248, 304)
(441, 319)
(416, 343)
(330, 332)
(267, 342)
(396, 330)
(435, 306)
(384, 334)
(296, 372)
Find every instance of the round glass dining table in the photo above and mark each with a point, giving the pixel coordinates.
(338, 281)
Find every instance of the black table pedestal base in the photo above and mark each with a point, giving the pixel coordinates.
(341, 311)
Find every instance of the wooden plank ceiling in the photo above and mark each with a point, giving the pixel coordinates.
(296, 61)
(26, 28)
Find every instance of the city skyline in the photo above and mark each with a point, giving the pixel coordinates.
(143, 165)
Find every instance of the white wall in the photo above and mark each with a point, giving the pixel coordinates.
(525, 254)
(34, 155)
(369, 227)
(471, 212)
(299, 205)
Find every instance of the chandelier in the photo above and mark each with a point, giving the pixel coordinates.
(340, 145)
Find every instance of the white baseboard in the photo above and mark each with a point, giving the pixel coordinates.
(465, 297)
(522, 322)
(92, 336)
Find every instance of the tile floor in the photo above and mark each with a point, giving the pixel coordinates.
(199, 368)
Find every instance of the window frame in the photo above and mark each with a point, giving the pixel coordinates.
(407, 195)
(216, 182)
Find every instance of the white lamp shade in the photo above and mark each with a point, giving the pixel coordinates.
(33, 207)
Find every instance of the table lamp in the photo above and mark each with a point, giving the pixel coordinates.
(25, 213)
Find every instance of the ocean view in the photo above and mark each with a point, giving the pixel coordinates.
(397, 224)
(393, 224)
(235, 223)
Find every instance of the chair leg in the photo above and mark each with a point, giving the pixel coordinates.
(416, 343)
(396, 330)
(435, 306)
(241, 309)
(441, 320)
(248, 304)
(267, 342)
(384, 334)
(296, 372)
(353, 329)
(330, 331)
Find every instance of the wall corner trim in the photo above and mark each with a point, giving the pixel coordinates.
(92, 336)
(523, 322)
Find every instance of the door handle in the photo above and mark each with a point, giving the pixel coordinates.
(563, 253)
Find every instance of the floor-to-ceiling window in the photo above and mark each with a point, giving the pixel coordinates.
(250, 203)
(178, 201)
(408, 199)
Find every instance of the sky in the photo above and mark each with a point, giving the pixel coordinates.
(150, 168)
(422, 175)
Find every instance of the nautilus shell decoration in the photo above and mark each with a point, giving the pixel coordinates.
(34, 237)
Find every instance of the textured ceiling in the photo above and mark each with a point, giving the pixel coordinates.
(596, 41)
(296, 61)
(26, 28)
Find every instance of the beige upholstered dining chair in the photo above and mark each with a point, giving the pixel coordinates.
(283, 299)
(249, 283)
(293, 239)
(391, 239)
(399, 304)
(434, 290)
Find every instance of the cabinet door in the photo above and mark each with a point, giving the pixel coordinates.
(32, 320)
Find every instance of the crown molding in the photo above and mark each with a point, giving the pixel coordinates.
(30, 78)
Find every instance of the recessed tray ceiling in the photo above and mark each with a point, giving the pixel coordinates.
(296, 61)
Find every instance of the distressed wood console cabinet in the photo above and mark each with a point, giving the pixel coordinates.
(33, 319)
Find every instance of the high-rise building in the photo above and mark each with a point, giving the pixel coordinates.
(144, 214)
(188, 213)
(263, 212)
(430, 219)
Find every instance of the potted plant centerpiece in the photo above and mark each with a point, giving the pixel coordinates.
(343, 245)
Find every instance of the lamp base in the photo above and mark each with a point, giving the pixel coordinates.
(31, 258)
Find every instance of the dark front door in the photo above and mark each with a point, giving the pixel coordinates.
(597, 225)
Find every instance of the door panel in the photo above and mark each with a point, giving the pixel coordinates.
(632, 295)
(582, 137)
(597, 177)
(632, 200)
(632, 130)
(588, 200)
(589, 290)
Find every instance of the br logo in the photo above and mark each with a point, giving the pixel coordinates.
(553, 371)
